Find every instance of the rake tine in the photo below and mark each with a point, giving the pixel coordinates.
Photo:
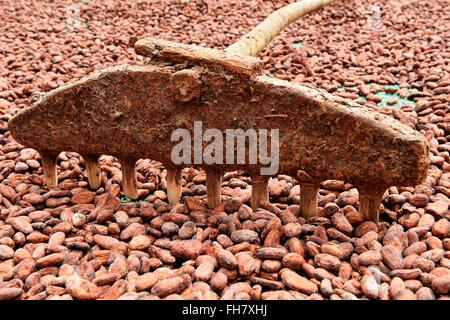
(49, 166)
(213, 184)
(93, 171)
(173, 185)
(129, 182)
(369, 204)
(260, 191)
(308, 199)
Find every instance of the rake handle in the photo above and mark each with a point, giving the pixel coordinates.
(254, 41)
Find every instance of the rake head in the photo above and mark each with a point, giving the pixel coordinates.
(130, 112)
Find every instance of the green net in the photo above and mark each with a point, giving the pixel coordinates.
(125, 199)
(386, 96)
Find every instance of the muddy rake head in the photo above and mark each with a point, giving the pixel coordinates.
(130, 112)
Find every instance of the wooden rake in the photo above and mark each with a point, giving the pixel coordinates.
(130, 112)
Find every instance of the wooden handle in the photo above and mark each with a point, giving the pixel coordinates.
(254, 41)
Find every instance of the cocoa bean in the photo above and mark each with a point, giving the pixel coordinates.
(165, 287)
(218, 281)
(425, 294)
(270, 253)
(406, 274)
(369, 286)
(370, 257)
(405, 294)
(186, 249)
(81, 289)
(10, 293)
(227, 259)
(204, 271)
(327, 261)
(392, 257)
(296, 282)
(240, 236)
